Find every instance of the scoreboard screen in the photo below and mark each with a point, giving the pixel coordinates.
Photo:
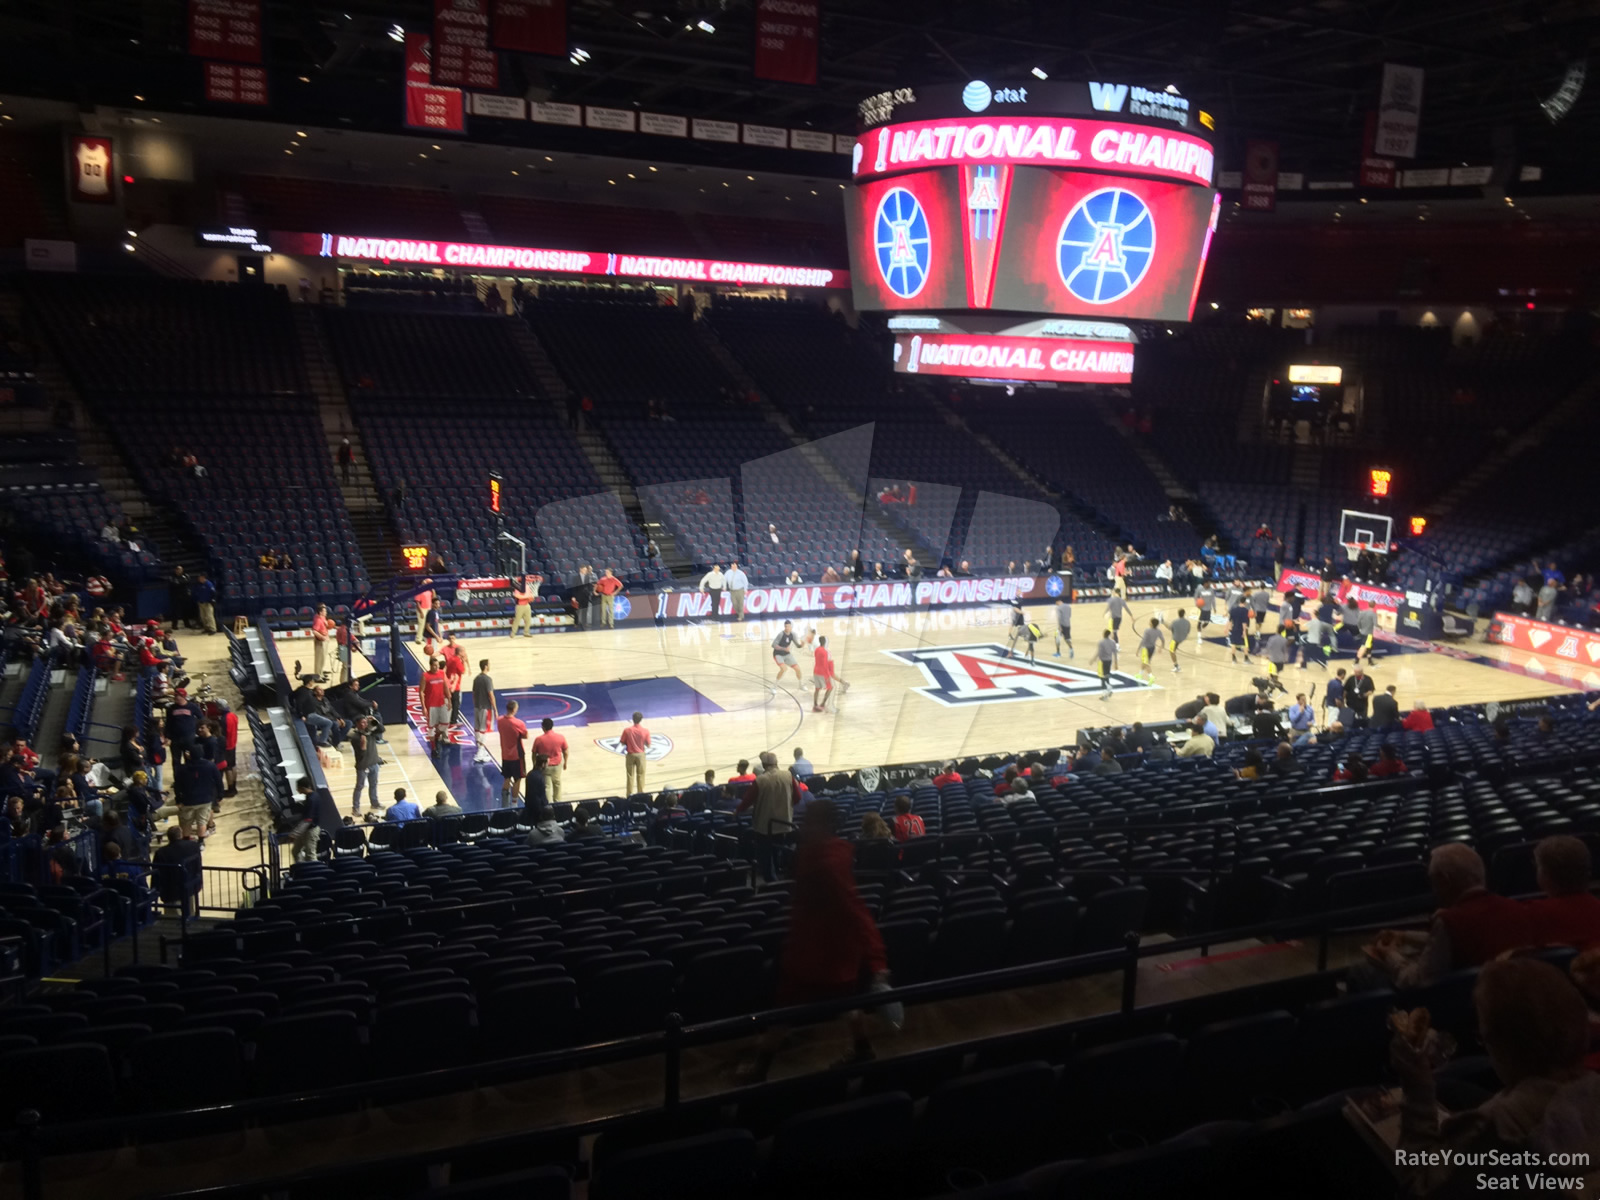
(414, 557)
(1091, 200)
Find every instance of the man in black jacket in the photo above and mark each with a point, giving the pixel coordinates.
(1358, 693)
(175, 867)
(1385, 709)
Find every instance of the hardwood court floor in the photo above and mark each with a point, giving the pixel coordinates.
(925, 686)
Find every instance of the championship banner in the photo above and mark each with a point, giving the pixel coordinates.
(786, 40)
(1010, 357)
(461, 53)
(1399, 112)
(835, 599)
(1260, 190)
(530, 26)
(1376, 171)
(225, 29)
(232, 83)
(1562, 641)
(436, 109)
(89, 160)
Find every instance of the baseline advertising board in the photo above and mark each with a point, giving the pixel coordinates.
(1563, 641)
(1048, 241)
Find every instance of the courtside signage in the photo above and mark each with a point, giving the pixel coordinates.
(1035, 142)
(1563, 641)
(574, 262)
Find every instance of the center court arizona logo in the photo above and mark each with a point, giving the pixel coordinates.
(983, 673)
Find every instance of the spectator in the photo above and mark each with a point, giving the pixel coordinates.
(801, 767)
(1253, 767)
(833, 948)
(873, 828)
(1418, 720)
(1200, 744)
(403, 808)
(228, 755)
(1285, 764)
(584, 826)
(534, 794)
(1215, 715)
(204, 594)
(199, 786)
(546, 829)
(327, 728)
(1301, 718)
(347, 455)
(1385, 709)
(1534, 1025)
(368, 765)
(1548, 594)
(443, 806)
(772, 797)
(907, 824)
(1568, 914)
(606, 589)
(1389, 762)
(141, 803)
(1353, 770)
(1472, 925)
(742, 773)
(176, 866)
(114, 833)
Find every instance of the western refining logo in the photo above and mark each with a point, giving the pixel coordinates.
(1139, 102)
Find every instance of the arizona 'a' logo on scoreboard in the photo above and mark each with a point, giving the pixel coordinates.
(986, 189)
(1106, 245)
(983, 673)
(902, 243)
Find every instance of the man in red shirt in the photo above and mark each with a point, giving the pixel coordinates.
(1418, 720)
(946, 776)
(821, 676)
(608, 585)
(436, 703)
(907, 824)
(635, 741)
(455, 667)
(1389, 762)
(522, 614)
(321, 629)
(1568, 914)
(556, 755)
(833, 948)
(424, 613)
(228, 722)
(513, 735)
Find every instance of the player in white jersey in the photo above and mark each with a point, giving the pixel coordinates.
(1064, 627)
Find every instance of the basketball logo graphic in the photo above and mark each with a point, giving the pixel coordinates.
(621, 606)
(902, 243)
(1106, 245)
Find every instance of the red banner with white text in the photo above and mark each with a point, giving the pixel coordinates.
(531, 26)
(1260, 190)
(225, 29)
(786, 40)
(462, 56)
(235, 83)
(428, 106)
(1007, 357)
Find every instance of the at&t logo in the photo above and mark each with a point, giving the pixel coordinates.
(902, 243)
(1106, 245)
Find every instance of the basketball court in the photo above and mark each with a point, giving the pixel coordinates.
(925, 686)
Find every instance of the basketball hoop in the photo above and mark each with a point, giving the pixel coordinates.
(1353, 549)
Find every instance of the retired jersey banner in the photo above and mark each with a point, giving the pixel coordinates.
(1399, 112)
(89, 160)
(428, 106)
(235, 83)
(462, 56)
(531, 26)
(786, 40)
(225, 29)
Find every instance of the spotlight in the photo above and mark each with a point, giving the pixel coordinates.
(578, 57)
(705, 26)
(1039, 73)
(396, 33)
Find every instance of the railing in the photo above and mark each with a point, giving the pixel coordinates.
(31, 1142)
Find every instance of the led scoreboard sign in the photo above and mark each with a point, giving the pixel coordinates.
(1089, 199)
(495, 495)
(414, 557)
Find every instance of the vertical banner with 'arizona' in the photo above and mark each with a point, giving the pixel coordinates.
(530, 26)
(1399, 112)
(462, 56)
(786, 40)
(1260, 192)
(89, 160)
(437, 109)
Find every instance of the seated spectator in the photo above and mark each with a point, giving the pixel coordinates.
(546, 829)
(1472, 925)
(442, 806)
(1200, 744)
(907, 824)
(116, 865)
(1159, 751)
(584, 826)
(1389, 762)
(403, 808)
(114, 833)
(1568, 914)
(1353, 770)
(1534, 1025)
(175, 866)
(1285, 763)
(1253, 767)
(1007, 782)
(873, 828)
(947, 776)
(1418, 720)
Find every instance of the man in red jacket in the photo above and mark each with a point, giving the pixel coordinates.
(1568, 914)
(833, 949)
(1471, 926)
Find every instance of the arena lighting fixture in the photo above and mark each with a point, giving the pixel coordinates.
(128, 246)
(304, 78)
(578, 57)
(300, 133)
(396, 33)
(652, 168)
(140, 99)
(705, 26)
(1040, 73)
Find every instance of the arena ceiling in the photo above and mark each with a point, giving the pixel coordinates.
(1301, 73)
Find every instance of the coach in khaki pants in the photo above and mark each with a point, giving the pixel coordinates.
(738, 585)
(556, 755)
(635, 741)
